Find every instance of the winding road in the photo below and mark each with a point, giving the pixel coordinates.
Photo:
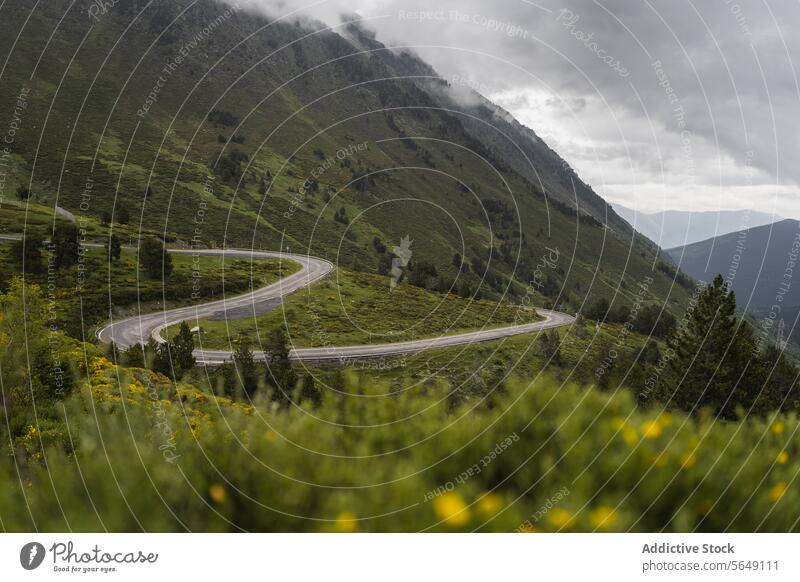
(139, 329)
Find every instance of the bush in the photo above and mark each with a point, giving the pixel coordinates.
(154, 259)
(657, 470)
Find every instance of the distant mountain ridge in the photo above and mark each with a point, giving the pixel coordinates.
(676, 228)
(759, 263)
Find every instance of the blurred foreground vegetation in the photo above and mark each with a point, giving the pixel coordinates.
(91, 446)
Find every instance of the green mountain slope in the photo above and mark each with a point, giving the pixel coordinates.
(758, 262)
(219, 127)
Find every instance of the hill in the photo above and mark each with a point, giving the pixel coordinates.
(220, 127)
(759, 263)
(674, 228)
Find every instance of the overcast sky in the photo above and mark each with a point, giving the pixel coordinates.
(658, 104)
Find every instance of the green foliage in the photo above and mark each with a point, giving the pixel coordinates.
(717, 364)
(154, 259)
(113, 249)
(243, 371)
(653, 320)
(597, 309)
(36, 371)
(548, 346)
(280, 374)
(360, 308)
(65, 244)
(26, 254)
(658, 471)
(222, 117)
(181, 348)
(123, 215)
(173, 358)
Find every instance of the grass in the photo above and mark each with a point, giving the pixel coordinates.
(79, 305)
(404, 471)
(350, 308)
(128, 449)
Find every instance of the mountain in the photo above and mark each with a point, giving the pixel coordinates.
(759, 262)
(674, 228)
(217, 126)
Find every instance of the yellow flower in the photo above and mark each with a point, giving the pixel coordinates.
(560, 518)
(603, 517)
(630, 435)
(777, 427)
(217, 493)
(782, 458)
(489, 504)
(651, 429)
(451, 509)
(346, 522)
(687, 461)
(777, 491)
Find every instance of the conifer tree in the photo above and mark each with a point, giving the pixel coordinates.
(280, 374)
(245, 365)
(181, 348)
(716, 363)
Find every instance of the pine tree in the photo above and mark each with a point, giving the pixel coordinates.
(27, 254)
(309, 391)
(154, 258)
(781, 377)
(66, 245)
(245, 365)
(113, 248)
(181, 348)
(123, 216)
(280, 374)
(716, 364)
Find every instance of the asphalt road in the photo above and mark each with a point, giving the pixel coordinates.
(349, 353)
(139, 329)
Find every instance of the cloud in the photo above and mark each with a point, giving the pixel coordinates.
(700, 98)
